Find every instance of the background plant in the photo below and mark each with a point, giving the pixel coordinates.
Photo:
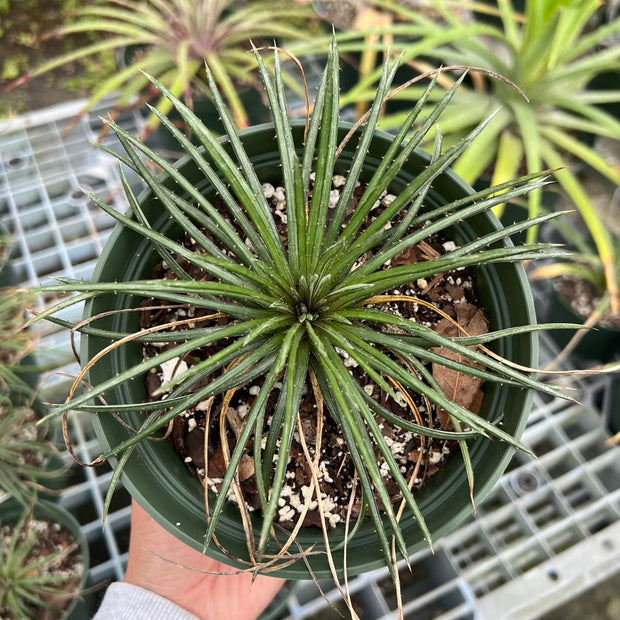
(584, 264)
(291, 307)
(26, 452)
(172, 40)
(14, 343)
(25, 448)
(30, 580)
(24, 25)
(552, 52)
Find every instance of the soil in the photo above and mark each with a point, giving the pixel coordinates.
(583, 299)
(453, 293)
(67, 568)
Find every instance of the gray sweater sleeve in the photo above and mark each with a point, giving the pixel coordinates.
(123, 601)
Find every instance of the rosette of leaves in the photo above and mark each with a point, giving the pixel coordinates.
(288, 308)
(172, 40)
(555, 52)
(41, 563)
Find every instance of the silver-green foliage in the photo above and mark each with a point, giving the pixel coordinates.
(292, 306)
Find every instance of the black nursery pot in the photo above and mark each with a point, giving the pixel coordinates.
(600, 343)
(204, 108)
(156, 476)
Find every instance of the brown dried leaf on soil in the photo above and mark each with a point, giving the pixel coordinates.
(462, 389)
(246, 467)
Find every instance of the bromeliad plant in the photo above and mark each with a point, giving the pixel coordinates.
(286, 307)
(553, 52)
(172, 40)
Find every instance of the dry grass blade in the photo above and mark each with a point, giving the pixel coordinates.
(397, 587)
(236, 483)
(314, 466)
(86, 322)
(612, 441)
(562, 356)
(302, 74)
(352, 497)
(271, 564)
(129, 338)
(205, 454)
(330, 559)
(411, 404)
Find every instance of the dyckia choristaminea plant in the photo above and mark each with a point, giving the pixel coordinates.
(289, 309)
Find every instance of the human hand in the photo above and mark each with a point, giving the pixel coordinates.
(162, 564)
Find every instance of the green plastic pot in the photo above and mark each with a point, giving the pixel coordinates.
(11, 511)
(156, 476)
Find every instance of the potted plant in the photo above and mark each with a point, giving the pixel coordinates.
(553, 52)
(580, 291)
(43, 560)
(172, 40)
(43, 556)
(367, 30)
(15, 344)
(42, 564)
(28, 457)
(285, 254)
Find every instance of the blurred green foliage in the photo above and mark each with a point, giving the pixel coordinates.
(25, 26)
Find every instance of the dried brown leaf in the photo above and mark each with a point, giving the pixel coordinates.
(246, 467)
(461, 388)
